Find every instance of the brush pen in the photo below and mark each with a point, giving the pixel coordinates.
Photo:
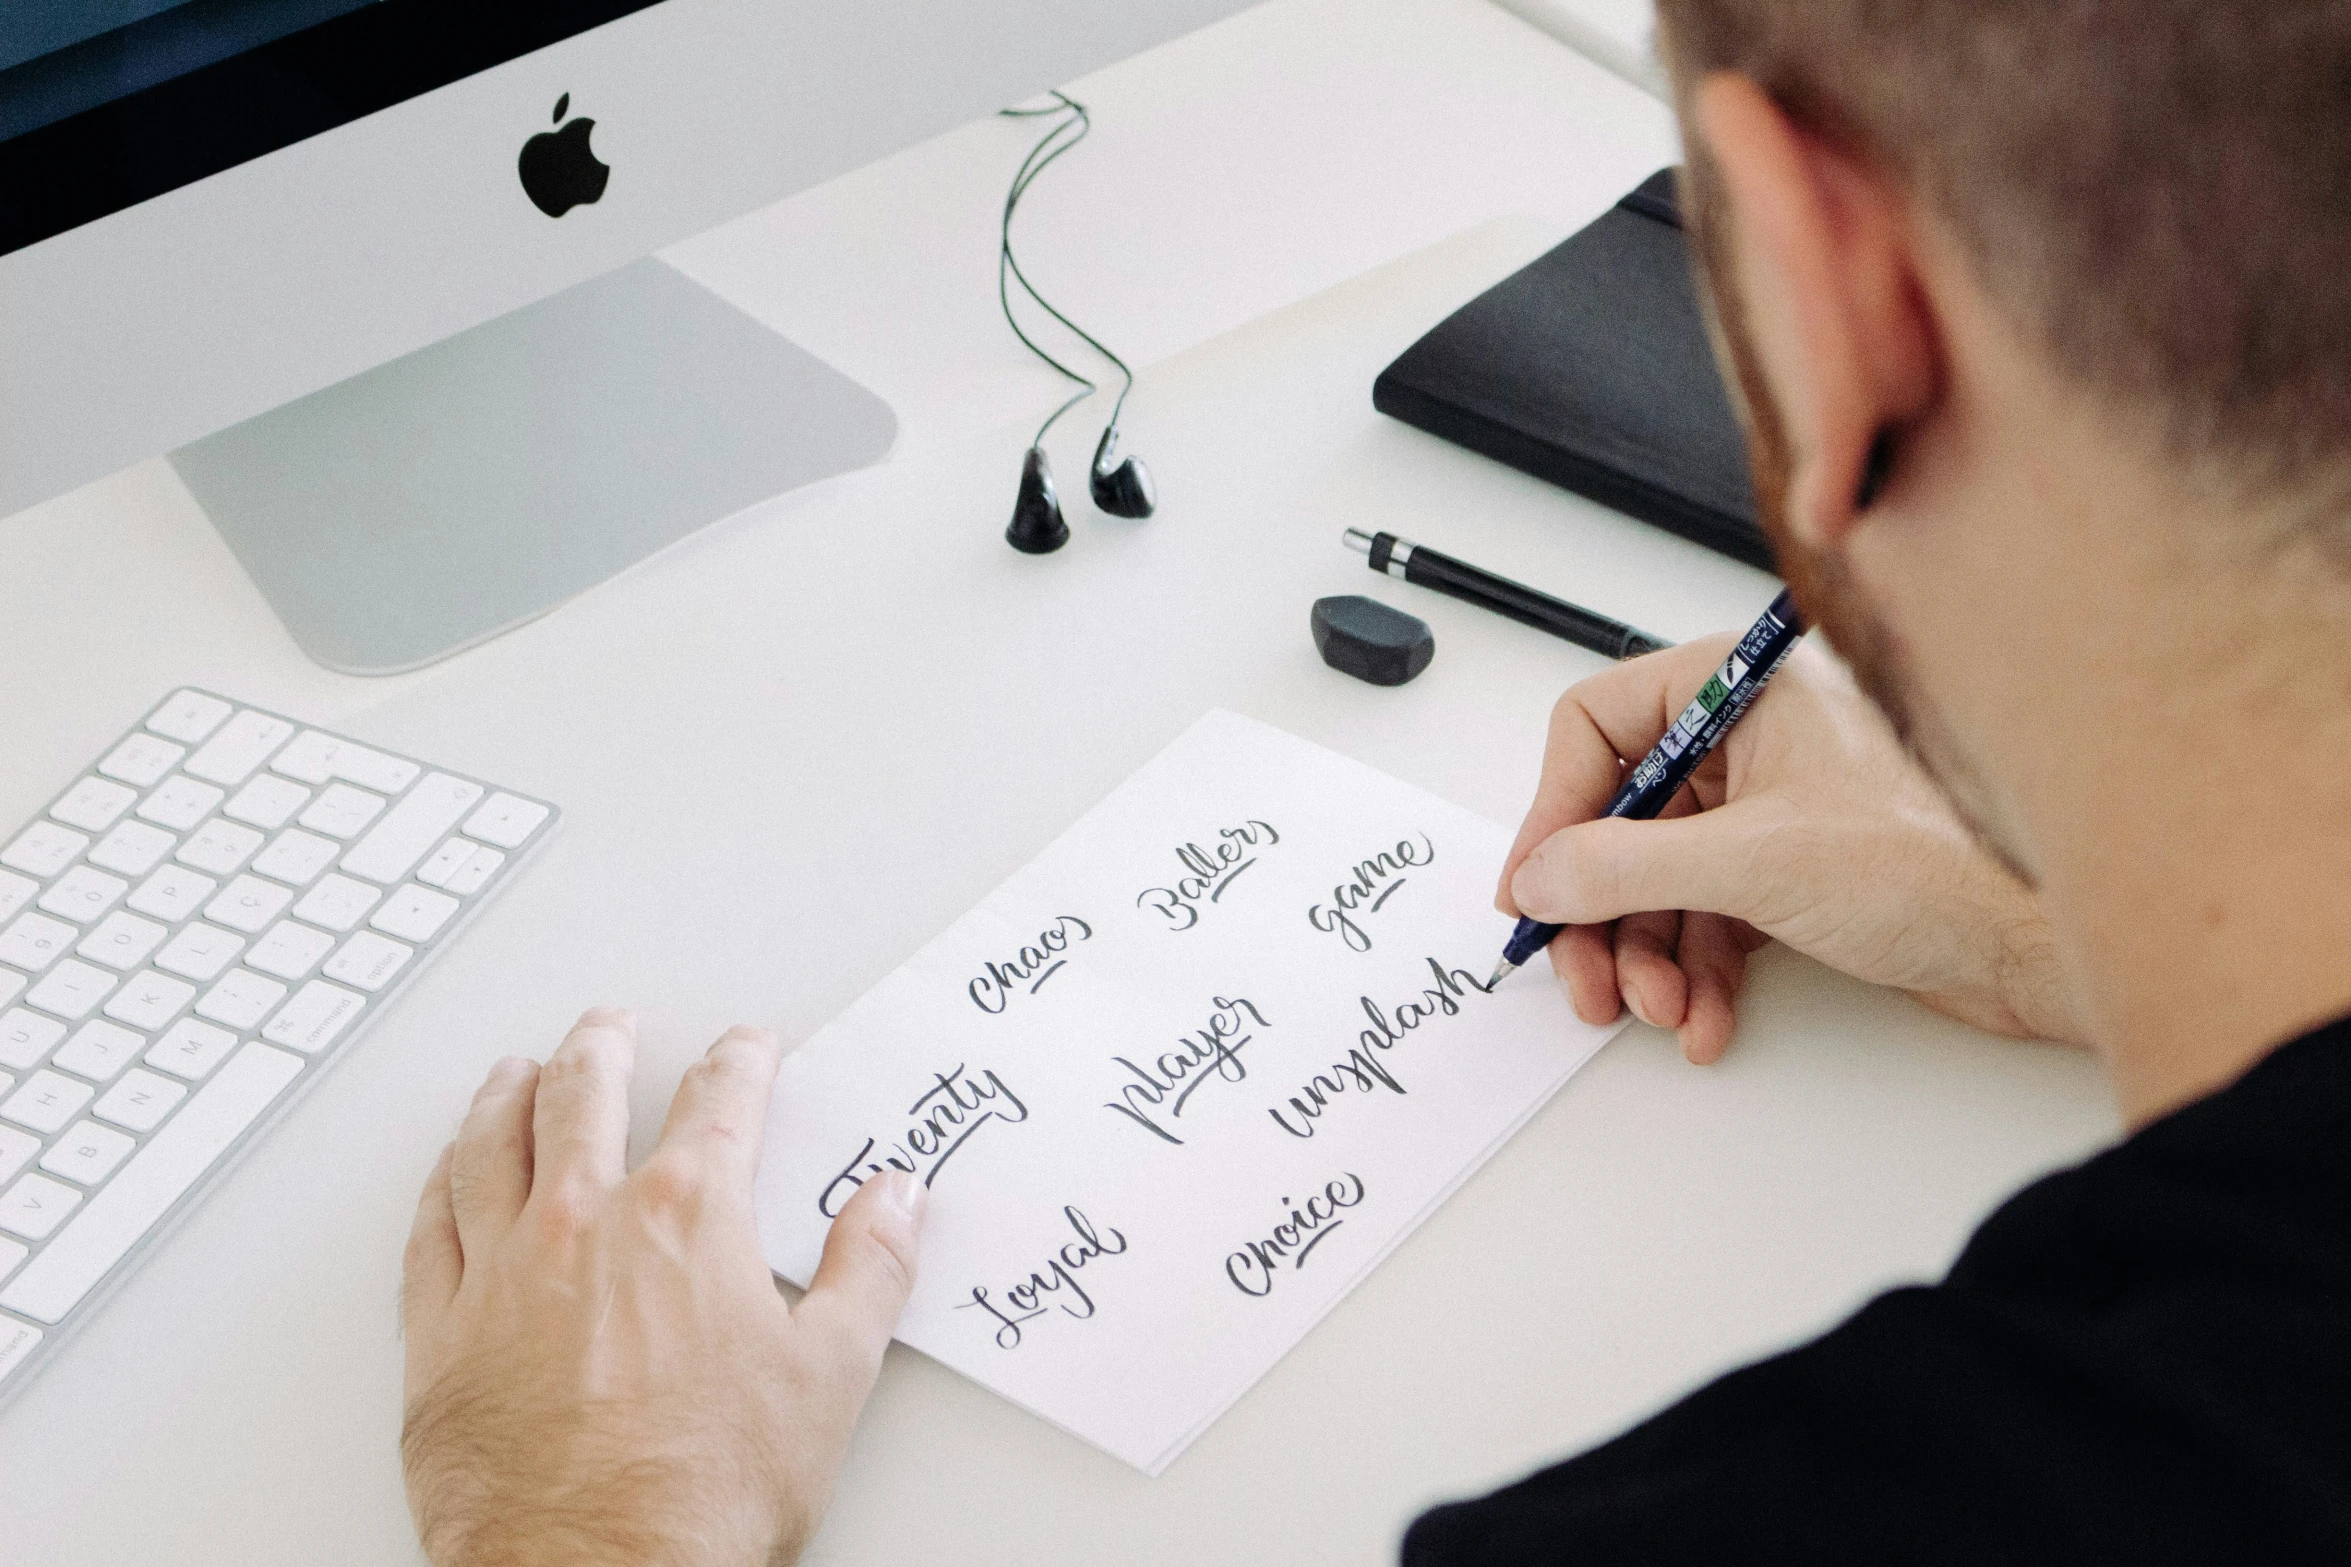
(1650, 787)
(1424, 567)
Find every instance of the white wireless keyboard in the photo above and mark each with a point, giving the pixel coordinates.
(189, 936)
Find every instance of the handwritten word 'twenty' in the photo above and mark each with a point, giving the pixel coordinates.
(1060, 1273)
(1364, 1068)
(944, 1119)
(1207, 873)
(1293, 1240)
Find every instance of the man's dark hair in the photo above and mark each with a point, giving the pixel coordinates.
(2159, 191)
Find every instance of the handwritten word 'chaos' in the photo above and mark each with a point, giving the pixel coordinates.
(1027, 1299)
(1028, 969)
(1252, 1267)
(1207, 1055)
(1367, 889)
(944, 1119)
(1208, 872)
(1363, 1068)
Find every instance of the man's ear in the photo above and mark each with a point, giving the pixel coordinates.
(1823, 251)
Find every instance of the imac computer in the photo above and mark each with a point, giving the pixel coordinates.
(377, 273)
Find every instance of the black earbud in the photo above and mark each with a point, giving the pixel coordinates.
(1124, 490)
(1037, 525)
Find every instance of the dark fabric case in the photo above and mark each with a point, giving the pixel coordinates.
(1591, 368)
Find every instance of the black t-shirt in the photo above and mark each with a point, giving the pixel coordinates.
(2146, 1358)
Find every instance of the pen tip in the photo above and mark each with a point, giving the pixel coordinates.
(1502, 971)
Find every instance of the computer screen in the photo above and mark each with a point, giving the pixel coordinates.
(107, 103)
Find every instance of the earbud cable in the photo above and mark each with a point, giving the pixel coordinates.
(1071, 115)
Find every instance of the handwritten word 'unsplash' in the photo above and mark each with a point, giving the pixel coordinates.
(944, 1119)
(1252, 1267)
(1060, 1272)
(1363, 1069)
(1207, 873)
(1367, 889)
(1028, 969)
(1167, 1084)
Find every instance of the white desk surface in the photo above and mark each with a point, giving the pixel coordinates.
(800, 744)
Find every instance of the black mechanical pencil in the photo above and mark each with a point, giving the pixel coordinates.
(1649, 788)
(1410, 562)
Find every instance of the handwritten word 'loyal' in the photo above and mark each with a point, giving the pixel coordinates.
(1252, 1267)
(1208, 872)
(1027, 1299)
(944, 1119)
(991, 990)
(1364, 1069)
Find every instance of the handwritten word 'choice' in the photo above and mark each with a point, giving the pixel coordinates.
(993, 988)
(1292, 1241)
(1368, 887)
(1207, 873)
(943, 1120)
(1164, 1085)
(1057, 1279)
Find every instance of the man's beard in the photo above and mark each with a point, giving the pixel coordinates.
(1822, 580)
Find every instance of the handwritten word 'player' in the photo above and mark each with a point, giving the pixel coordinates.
(1293, 1240)
(944, 1118)
(1058, 1279)
(1207, 873)
(1162, 1086)
(1368, 887)
(993, 988)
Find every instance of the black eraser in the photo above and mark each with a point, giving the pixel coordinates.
(1365, 638)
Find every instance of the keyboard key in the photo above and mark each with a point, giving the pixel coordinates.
(310, 1022)
(10, 1255)
(100, 1049)
(35, 941)
(190, 1049)
(149, 1000)
(189, 716)
(445, 862)
(505, 820)
(144, 1189)
(44, 849)
(12, 985)
(93, 804)
(296, 857)
(142, 760)
(82, 894)
(181, 803)
(290, 950)
(249, 904)
(315, 759)
(45, 1101)
(17, 1339)
(267, 802)
(36, 1205)
(25, 1037)
(342, 811)
(411, 828)
(121, 941)
(17, 1149)
(72, 989)
(133, 848)
(173, 893)
(230, 756)
(369, 960)
(414, 913)
(200, 952)
(219, 847)
(338, 903)
(88, 1153)
(15, 893)
(241, 999)
(140, 1101)
(476, 872)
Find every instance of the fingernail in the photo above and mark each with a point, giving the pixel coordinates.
(609, 1017)
(906, 1194)
(1640, 1007)
(511, 1070)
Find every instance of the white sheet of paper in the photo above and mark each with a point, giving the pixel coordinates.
(1179, 1083)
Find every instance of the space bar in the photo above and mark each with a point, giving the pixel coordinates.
(96, 1238)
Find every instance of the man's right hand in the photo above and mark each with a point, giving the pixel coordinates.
(1809, 824)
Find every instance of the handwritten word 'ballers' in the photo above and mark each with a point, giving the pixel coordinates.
(1207, 873)
(944, 1118)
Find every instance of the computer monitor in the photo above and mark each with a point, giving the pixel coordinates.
(377, 273)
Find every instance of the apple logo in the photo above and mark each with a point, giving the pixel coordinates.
(558, 171)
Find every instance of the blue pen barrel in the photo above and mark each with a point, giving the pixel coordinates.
(1719, 704)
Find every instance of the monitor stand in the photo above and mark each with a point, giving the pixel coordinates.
(438, 500)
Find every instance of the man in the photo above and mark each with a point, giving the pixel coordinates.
(2037, 313)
